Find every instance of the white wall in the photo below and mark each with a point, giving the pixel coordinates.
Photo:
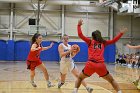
(91, 22)
(98, 22)
(133, 34)
(4, 19)
(51, 19)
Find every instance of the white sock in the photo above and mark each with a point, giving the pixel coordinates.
(119, 91)
(62, 81)
(75, 90)
(32, 81)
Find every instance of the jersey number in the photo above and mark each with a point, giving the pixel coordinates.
(97, 46)
(68, 55)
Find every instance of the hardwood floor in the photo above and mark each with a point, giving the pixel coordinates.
(15, 78)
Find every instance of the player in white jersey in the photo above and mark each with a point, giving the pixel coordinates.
(67, 63)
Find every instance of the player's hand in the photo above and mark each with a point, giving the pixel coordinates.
(129, 46)
(123, 29)
(80, 22)
(39, 48)
(71, 50)
(51, 44)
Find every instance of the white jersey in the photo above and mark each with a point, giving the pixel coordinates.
(66, 62)
(68, 57)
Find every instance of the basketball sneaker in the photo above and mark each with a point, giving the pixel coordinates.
(89, 90)
(49, 84)
(136, 82)
(60, 84)
(33, 84)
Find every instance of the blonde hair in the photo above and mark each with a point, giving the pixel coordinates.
(64, 36)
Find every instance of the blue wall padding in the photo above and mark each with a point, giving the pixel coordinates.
(50, 54)
(110, 53)
(3, 49)
(18, 50)
(21, 50)
(10, 50)
(106, 52)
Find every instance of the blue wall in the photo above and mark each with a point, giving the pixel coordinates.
(18, 51)
(10, 50)
(3, 50)
(21, 50)
(109, 53)
(50, 54)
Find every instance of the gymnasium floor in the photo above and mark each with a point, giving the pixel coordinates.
(14, 78)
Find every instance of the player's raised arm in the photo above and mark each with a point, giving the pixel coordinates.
(48, 47)
(116, 38)
(80, 34)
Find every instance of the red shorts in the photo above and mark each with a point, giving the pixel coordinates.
(92, 67)
(32, 64)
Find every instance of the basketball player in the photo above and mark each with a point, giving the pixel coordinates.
(95, 63)
(138, 80)
(34, 61)
(67, 63)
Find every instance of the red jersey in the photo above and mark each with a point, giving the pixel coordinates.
(95, 48)
(34, 55)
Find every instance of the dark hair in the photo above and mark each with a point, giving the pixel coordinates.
(96, 35)
(35, 36)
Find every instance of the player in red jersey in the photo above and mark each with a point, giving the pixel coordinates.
(34, 61)
(95, 63)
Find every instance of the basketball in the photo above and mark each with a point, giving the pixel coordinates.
(76, 48)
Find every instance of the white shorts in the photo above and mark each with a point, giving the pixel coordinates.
(66, 66)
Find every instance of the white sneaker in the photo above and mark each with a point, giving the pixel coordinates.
(136, 82)
(89, 90)
(60, 84)
(129, 65)
(33, 84)
(50, 85)
(138, 86)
